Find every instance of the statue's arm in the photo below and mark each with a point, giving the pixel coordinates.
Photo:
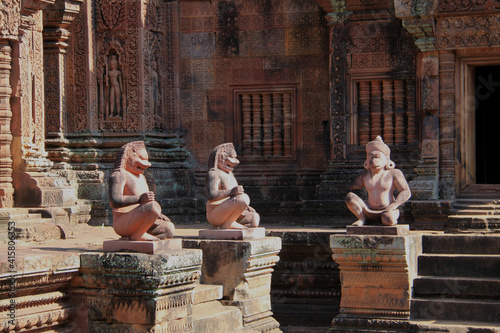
(403, 189)
(116, 197)
(213, 191)
(358, 182)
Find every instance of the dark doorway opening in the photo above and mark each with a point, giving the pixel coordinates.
(487, 95)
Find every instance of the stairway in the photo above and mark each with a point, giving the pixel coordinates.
(477, 209)
(458, 280)
(41, 224)
(210, 316)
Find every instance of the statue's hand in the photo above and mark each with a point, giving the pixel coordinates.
(147, 197)
(237, 190)
(391, 207)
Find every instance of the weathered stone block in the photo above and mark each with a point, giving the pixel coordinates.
(377, 273)
(140, 292)
(120, 245)
(234, 234)
(243, 268)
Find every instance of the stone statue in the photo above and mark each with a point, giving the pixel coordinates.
(380, 179)
(228, 205)
(136, 214)
(115, 81)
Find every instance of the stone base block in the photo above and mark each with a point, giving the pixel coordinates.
(394, 230)
(233, 234)
(122, 245)
(184, 325)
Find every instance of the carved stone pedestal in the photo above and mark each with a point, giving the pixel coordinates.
(377, 273)
(139, 292)
(243, 268)
(235, 234)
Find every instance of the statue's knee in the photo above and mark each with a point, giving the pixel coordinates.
(153, 207)
(243, 200)
(350, 197)
(389, 219)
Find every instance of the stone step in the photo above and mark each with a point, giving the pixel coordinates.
(431, 286)
(426, 325)
(476, 223)
(207, 292)
(213, 317)
(455, 309)
(461, 244)
(459, 265)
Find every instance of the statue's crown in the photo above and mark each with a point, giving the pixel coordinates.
(378, 144)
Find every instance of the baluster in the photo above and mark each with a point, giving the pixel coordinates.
(277, 124)
(388, 112)
(257, 124)
(268, 125)
(400, 111)
(376, 109)
(411, 113)
(246, 106)
(364, 112)
(287, 124)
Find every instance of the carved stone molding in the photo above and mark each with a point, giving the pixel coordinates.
(376, 273)
(417, 17)
(9, 16)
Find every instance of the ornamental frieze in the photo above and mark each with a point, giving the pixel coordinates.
(467, 6)
(468, 31)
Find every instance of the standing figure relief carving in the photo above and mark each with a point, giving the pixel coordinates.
(114, 90)
(112, 84)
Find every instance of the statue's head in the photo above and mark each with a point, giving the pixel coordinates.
(378, 154)
(133, 157)
(113, 63)
(223, 157)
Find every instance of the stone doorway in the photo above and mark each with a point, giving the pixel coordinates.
(487, 116)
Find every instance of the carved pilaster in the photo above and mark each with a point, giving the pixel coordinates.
(447, 125)
(6, 189)
(425, 185)
(57, 18)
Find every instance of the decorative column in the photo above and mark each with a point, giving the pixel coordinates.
(257, 125)
(6, 189)
(140, 292)
(57, 18)
(277, 125)
(243, 268)
(246, 105)
(376, 272)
